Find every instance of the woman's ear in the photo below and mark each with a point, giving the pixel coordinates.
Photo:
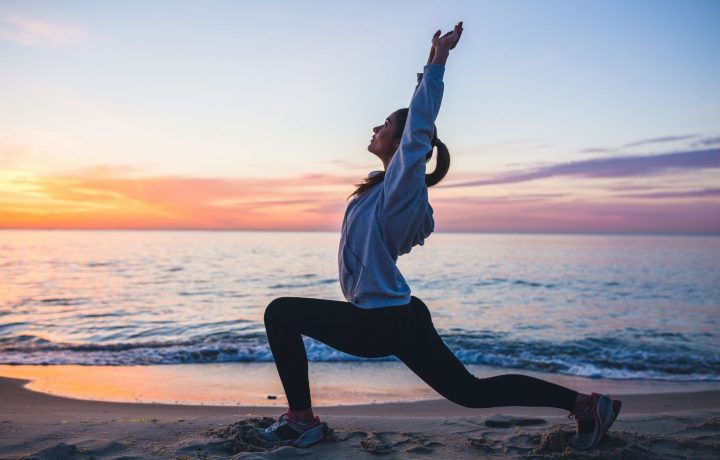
(396, 145)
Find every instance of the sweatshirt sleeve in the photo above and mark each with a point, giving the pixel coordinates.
(404, 179)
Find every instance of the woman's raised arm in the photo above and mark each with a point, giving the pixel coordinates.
(405, 175)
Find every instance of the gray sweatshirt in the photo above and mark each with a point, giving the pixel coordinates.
(389, 219)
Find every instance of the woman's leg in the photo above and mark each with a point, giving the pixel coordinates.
(427, 356)
(368, 333)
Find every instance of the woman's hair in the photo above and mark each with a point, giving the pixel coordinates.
(442, 162)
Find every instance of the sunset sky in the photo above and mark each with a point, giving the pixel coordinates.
(560, 116)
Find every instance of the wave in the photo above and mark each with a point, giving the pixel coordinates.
(629, 355)
(514, 282)
(302, 285)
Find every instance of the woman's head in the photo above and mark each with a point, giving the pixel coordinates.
(386, 137)
(385, 142)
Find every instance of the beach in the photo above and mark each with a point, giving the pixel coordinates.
(39, 426)
(152, 345)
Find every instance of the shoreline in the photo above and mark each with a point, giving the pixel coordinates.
(13, 390)
(49, 427)
(236, 384)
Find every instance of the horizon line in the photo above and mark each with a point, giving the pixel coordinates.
(270, 230)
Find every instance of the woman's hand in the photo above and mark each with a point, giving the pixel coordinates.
(441, 45)
(449, 40)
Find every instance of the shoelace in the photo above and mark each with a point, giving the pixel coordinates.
(282, 419)
(298, 426)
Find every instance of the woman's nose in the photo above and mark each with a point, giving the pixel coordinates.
(376, 129)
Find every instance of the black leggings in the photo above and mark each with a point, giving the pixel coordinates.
(407, 332)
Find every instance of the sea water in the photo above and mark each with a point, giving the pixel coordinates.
(598, 306)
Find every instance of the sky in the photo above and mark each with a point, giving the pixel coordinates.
(560, 116)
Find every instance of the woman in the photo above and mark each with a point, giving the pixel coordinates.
(388, 215)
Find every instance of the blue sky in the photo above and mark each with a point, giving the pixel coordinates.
(272, 89)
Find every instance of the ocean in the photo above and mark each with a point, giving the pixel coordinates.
(597, 306)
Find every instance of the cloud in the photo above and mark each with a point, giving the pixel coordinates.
(630, 187)
(612, 167)
(499, 200)
(110, 197)
(659, 140)
(655, 140)
(609, 216)
(27, 31)
(598, 150)
(707, 192)
(707, 142)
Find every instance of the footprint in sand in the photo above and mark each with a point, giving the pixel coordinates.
(89, 449)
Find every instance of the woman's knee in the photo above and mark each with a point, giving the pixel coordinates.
(276, 309)
(421, 312)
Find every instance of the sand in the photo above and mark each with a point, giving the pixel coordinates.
(38, 426)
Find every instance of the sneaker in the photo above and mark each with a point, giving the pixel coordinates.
(594, 422)
(287, 431)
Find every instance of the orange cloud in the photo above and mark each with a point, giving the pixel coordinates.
(299, 203)
(117, 198)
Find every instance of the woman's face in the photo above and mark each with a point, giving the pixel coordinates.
(383, 143)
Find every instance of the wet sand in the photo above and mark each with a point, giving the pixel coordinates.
(250, 384)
